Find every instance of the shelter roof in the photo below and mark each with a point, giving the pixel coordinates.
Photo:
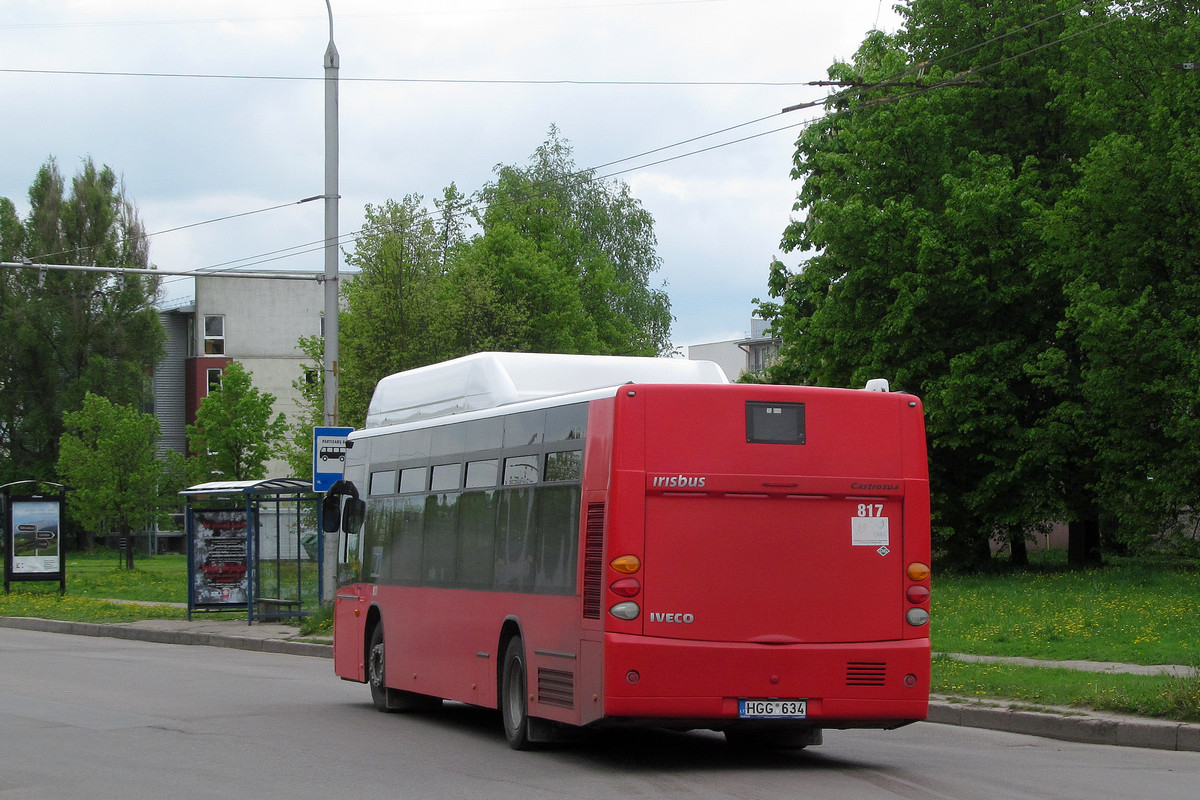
(259, 487)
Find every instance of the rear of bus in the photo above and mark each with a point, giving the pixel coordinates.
(765, 565)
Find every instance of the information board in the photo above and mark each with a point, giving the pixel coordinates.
(329, 456)
(220, 559)
(34, 543)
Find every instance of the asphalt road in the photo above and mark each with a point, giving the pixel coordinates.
(94, 717)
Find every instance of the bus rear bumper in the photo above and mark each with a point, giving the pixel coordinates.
(867, 685)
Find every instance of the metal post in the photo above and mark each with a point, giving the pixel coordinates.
(331, 226)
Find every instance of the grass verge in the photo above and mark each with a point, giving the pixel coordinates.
(93, 580)
(1160, 696)
(1132, 611)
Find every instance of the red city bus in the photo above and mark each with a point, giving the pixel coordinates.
(605, 541)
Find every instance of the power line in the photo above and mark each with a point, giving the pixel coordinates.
(443, 81)
(476, 205)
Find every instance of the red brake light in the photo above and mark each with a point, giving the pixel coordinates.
(626, 587)
(917, 594)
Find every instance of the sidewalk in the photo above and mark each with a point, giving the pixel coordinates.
(1068, 724)
(208, 630)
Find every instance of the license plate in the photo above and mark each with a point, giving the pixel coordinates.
(772, 709)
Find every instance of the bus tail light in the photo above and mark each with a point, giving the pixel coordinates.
(917, 594)
(626, 587)
(626, 564)
(628, 610)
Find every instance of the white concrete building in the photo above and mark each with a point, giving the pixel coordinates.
(739, 356)
(255, 321)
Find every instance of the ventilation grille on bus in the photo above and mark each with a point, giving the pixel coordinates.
(866, 673)
(556, 687)
(593, 561)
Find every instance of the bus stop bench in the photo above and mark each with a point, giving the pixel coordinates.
(275, 607)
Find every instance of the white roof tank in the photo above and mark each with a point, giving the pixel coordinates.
(488, 380)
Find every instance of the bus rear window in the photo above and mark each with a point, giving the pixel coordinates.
(774, 423)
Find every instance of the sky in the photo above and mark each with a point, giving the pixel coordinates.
(212, 111)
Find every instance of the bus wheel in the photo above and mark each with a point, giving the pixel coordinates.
(375, 669)
(385, 698)
(514, 707)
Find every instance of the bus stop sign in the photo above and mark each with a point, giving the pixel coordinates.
(329, 456)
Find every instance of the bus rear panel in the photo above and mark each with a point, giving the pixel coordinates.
(775, 528)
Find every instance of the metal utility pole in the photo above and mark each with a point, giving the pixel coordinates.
(331, 226)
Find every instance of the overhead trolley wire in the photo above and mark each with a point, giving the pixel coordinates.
(476, 206)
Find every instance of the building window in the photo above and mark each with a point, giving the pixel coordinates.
(214, 380)
(214, 335)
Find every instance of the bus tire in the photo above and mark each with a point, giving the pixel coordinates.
(514, 703)
(384, 697)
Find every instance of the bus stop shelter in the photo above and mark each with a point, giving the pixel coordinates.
(254, 546)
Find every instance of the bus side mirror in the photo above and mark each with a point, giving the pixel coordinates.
(334, 517)
(353, 514)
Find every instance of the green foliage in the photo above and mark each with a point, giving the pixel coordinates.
(107, 458)
(1017, 245)
(234, 435)
(394, 318)
(562, 262)
(69, 333)
(596, 241)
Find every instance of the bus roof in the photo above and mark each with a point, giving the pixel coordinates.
(490, 380)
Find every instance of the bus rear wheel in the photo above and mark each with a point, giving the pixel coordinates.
(514, 704)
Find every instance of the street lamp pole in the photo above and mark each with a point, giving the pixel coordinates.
(331, 226)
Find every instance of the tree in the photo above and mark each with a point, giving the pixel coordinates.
(393, 320)
(1125, 234)
(562, 262)
(107, 458)
(955, 238)
(594, 235)
(234, 435)
(67, 333)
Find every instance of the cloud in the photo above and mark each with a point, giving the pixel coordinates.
(202, 148)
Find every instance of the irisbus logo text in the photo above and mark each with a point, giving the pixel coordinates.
(679, 481)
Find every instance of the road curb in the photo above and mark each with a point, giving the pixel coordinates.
(169, 636)
(1068, 724)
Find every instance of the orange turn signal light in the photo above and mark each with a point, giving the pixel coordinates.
(918, 571)
(626, 564)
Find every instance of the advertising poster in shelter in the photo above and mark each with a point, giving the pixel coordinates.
(220, 574)
(34, 546)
